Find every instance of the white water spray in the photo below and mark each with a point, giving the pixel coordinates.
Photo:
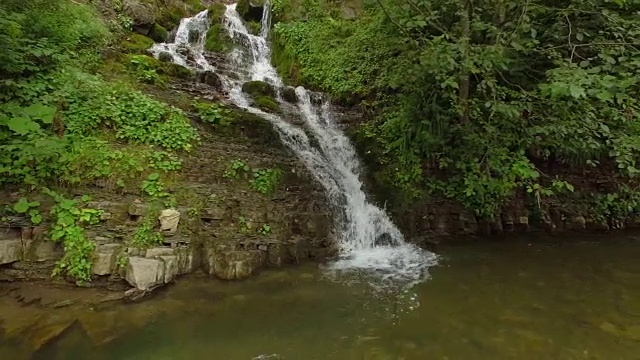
(368, 238)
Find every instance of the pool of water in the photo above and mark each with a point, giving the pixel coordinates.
(524, 299)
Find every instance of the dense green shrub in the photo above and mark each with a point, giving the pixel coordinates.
(467, 102)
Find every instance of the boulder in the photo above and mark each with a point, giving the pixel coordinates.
(259, 88)
(145, 274)
(169, 219)
(158, 33)
(165, 57)
(289, 95)
(10, 251)
(143, 15)
(209, 78)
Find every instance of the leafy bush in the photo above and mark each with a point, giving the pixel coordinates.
(265, 181)
(69, 218)
(236, 169)
(213, 113)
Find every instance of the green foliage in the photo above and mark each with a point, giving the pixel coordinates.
(617, 207)
(217, 39)
(137, 43)
(466, 99)
(153, 186)
(163, 160)
(236, 169)
(144, 69)
(146, 236)
(69, 217)
(244, 224)
(55, 117)
(24, 206)
(213, 113)
(265, 230)
(344, 58)
(265, 181)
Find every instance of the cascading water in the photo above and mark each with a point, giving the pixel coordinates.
(368, 238)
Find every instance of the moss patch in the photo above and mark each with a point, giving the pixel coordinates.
(258, 89)
(254, 27)
(216, 12)
(243, 7)
(267, 104)
(136, 43)
(217, 39)
(158, 33)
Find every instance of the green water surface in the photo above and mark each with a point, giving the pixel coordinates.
(522, 299)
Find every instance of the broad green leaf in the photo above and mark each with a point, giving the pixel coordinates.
(576, 91)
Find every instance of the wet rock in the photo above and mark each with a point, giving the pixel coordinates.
(10, 251)
(194, 35)
(258, 89)
(145, 274)
(289, 95)
(169, 220)
(104, 261)
(235, 265)
(385, 240)
(165, 57)
(209, 78)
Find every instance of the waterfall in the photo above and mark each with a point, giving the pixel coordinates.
(369, 241)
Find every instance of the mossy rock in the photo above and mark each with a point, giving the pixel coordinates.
(217, 39)
(259, 89)
(165, 57)
(267, 104)
(136, 43)
(170, 15)
(158, 33)
(250, 10)
(289, 95)
(216, 13)
(255, 128)
(175, 70)
(254, 27)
